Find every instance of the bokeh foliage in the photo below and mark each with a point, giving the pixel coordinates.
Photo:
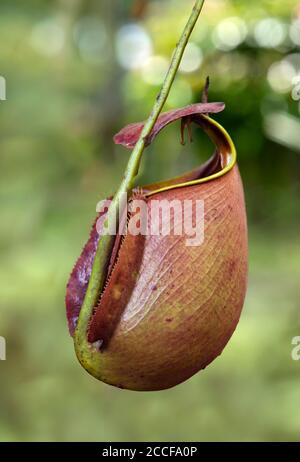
(67, 94)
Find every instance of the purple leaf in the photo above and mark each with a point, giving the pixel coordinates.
(129, 135)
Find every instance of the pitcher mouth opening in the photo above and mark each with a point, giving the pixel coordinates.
(222, 161)
(218, 165)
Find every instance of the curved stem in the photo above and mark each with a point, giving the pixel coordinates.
(97, 279)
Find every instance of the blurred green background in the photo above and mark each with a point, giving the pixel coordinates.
(76, 72)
